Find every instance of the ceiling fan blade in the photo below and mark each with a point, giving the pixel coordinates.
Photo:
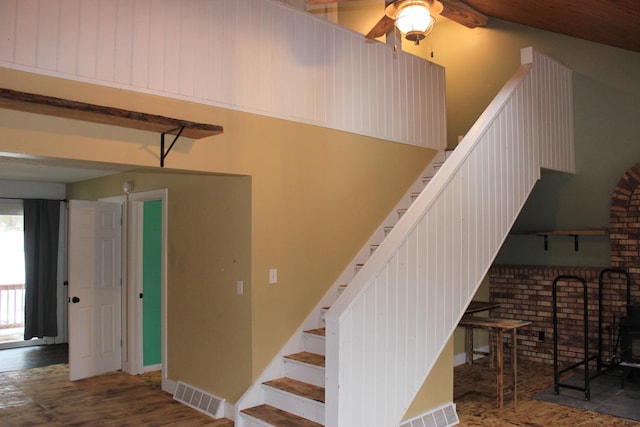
(382, 27)
(462, 14)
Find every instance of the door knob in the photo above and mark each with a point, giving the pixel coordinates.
(75, 300)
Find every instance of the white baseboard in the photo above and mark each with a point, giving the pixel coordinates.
(169, 385)
(230, 410)
(152, 368)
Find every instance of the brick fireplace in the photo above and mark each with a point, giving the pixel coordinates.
(525, 292)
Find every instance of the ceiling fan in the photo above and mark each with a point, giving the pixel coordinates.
(397, 10)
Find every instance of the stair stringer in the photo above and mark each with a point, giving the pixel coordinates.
(275, 369)
(388, 328)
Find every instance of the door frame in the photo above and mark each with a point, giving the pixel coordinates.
(122, 200)
(134, 333)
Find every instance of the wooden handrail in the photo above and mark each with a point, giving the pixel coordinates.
(11, 287)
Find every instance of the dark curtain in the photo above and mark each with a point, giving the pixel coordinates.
(41, 231)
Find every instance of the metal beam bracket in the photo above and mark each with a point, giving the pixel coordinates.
(576, 240)
(163, 153)
(576, 246)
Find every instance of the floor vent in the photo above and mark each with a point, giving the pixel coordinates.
(200, 400)
(441, 417)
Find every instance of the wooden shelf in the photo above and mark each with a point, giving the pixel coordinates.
(585, 232)
(478, 306)
(58, 107)
(573, 233)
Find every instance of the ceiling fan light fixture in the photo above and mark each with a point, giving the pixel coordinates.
(413, 18)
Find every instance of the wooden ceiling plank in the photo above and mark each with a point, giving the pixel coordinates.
(463, 14)
(613, 23)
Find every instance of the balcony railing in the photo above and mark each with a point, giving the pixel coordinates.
(11, 306)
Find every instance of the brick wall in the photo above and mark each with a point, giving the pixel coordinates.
(624, 223)
(525, 292)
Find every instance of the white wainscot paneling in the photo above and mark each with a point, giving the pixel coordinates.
(259, 56)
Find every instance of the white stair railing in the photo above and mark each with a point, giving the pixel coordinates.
(388, 328)
(11, 306)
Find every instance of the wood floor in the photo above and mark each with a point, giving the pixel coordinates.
(45, 397)
(13, 359)
(475, 398)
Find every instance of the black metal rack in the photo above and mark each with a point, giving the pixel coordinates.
(613, 363)
(586, 358)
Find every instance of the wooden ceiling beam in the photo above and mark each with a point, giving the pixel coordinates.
(68, 109)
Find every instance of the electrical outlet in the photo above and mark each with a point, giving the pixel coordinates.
(273, 276)
(240, 287)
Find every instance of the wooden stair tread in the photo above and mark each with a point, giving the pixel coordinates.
(307, 357)
(299, 388)
(319, 332)
(278, 417)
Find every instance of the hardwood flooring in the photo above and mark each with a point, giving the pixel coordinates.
(475, 398)
(13, 359)
(45, 397)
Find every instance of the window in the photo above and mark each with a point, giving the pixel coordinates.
(12, 271)
(11, 243)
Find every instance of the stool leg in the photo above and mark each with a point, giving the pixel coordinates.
(468, 333)
(499, 363)
(514, 364)
(491, 357)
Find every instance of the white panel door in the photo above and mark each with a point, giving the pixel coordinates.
(94, 288)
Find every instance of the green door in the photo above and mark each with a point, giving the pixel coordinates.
(152, 283)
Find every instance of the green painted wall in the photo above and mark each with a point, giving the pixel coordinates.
(152, 283)
(606, 100)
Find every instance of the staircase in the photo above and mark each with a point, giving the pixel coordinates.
(389, 326)
(298, 398)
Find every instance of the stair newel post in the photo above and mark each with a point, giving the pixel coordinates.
(332, 370)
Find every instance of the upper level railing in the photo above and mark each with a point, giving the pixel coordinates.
(11, 306)
(259, 56)
(390, 325)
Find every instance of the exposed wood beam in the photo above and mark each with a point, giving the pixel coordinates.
(382, 27)
(65, 108)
